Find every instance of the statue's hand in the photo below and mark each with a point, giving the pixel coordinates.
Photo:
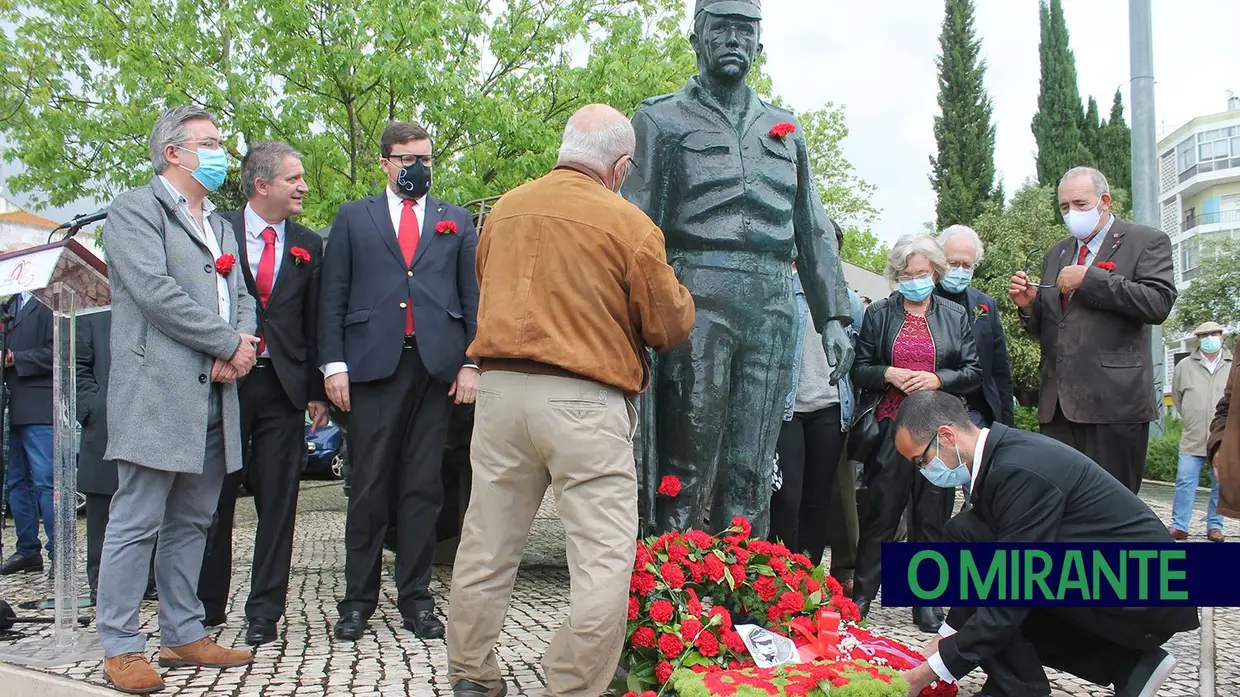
(839, 350)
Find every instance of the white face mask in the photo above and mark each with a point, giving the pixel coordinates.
(1083, 223)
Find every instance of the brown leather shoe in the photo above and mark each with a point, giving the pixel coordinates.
(132, 673)
(204, 653)
(1177, 534)
(1215, 535)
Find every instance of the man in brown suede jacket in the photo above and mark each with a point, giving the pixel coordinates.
(574, 285)
(1223, 450)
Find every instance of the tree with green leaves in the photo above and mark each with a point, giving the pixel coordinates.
(1114, 150)
(1091, 128)
(1214, 294)
(963, 174)
(1058, 122)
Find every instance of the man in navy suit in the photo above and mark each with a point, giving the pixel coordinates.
(993, 403)
(28, 377)
(399, 306)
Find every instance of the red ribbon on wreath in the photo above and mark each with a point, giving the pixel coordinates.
(822, 644)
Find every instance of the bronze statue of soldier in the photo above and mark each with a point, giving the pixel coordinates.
(727, 178)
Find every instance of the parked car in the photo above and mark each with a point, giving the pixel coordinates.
(326, 456)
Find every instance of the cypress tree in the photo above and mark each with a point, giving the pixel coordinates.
(1115, 147)
(963, 174)
(1058, 123)
(1091, 129)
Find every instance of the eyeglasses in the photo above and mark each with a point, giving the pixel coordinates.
(966, 265)
(1034, 253)
(921, 461)
(905, 278)
(406, 160)
(208, 143)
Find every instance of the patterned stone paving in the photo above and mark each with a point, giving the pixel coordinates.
(389, 661)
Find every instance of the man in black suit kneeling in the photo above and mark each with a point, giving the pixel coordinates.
(1024, 487)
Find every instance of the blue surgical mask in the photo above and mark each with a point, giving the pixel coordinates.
(940, 475)
(1212, 344)
(212, 167)
(917, 289)
(957, 280)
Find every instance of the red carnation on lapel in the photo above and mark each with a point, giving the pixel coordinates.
(445, 227)
(224, 265)
(300, 256)
(1107, 266)
(781, 130)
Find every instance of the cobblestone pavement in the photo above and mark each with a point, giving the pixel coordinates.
(389, 661)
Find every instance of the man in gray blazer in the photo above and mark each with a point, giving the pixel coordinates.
(182, 334)
(1101, 290)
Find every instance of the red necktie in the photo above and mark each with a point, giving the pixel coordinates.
(408, 236)
(266, 272)
(1080, 261)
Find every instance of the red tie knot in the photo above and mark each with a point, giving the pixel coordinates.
(269, 235)
(409, 203)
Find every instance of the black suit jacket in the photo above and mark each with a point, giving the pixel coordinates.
(992, 352)
(289, 323)
(1096, 362)
(366, 284)
(29, 380)
(94, 358)
(1035, 489)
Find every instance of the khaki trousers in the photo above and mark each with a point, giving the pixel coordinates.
(532, 431)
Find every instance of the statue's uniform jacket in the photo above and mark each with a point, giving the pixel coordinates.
(737, 205)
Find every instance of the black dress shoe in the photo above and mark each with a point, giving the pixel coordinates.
(926, 620)
(152, 593)
(18, 563)
(214, 620)
(350, 626)
(469, 688)
(260, 631)
(425, 625)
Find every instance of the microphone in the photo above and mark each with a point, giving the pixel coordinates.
(73, 226)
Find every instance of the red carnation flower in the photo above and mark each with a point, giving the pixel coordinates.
(780, 566)
(445, 227)
(700, 539)
(801, 560)
(742, 555)
(642, 583)
(1107, 266)
(781, 130)
(677, 553)
(714, 568)
(644, 557)
(761, 547)
(671, 646)
(707, 644)
(775, 613)
(669, 486)
(635, 608)
(690, 627)
(224, 265)
(724, 615)
(732, 639)
(765, 587)
(697, 570)
(663, 671)
(780, 551)
(643, 637)
(792, 602)
(847, 608)
(833, 586)
(695, 605)
(743, 525)
(300, 256)
(673, 574)
(738, 573)
(661, 611)
(811, 586)
(986, 308)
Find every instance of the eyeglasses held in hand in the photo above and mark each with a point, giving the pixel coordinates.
(1028, 259)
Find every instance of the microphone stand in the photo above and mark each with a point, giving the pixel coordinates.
(7, 315)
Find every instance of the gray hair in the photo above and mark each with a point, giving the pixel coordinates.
(926, 411)
(966, 231)
(1100, 180)
(596, 137)
(170, 129)
(907, 246)
(264, 160)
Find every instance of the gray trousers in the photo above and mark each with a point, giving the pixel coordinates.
(177, 507)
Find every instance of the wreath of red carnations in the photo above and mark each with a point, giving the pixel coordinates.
(445, 227)
(783, 130)
(224, 265)
(300, 256)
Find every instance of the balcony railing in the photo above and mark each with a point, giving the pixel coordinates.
(1193, 221)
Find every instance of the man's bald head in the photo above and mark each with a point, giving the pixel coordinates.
(600, 139)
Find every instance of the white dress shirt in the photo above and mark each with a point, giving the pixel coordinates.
(208, 238)
(936, 662)
(396, 206)
(254, 246)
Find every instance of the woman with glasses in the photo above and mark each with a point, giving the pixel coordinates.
(910, 341)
